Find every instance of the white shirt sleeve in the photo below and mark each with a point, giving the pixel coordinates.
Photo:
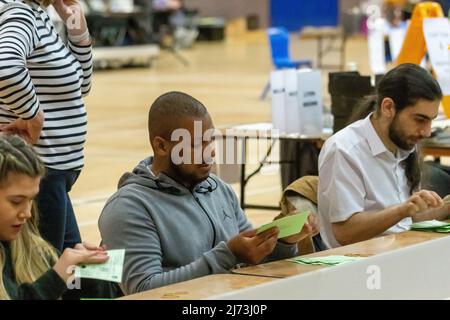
(341, 184)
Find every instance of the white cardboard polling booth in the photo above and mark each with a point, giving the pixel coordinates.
(297, 104)
(421, 271)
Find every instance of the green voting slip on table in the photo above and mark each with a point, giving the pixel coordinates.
(431, 226)
(325, 261)
(288, 225)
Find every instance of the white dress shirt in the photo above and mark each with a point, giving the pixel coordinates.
(358, 173)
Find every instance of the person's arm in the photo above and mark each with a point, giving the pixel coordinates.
(50, 286)
(341, 197)
(361, 226)
(80, 44)
(276, 251)
(125, 223)
(17, 40)
(29, 130)
(434, 214)
(53, 283)
(366, 225)
(283, 250)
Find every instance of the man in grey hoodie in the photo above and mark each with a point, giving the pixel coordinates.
(175, 219)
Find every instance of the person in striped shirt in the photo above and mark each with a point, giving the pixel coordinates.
(42, 85)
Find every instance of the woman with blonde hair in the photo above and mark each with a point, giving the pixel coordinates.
(43, 83)
(29, 266)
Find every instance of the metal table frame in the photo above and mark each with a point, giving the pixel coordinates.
(245, 136)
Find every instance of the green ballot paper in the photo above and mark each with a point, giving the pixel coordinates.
(325, 261)
(445, 229)
(288, 225)
(111, 270)
(430, 224)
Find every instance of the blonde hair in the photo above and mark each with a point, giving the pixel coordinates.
(30, 254)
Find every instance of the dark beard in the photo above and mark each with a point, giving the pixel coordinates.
(397, 138)
(189, 180)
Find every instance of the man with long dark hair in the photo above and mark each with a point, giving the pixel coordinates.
(369, 173)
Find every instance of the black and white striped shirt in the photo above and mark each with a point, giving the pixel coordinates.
(37, 70)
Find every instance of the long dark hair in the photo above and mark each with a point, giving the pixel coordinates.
(405, 85)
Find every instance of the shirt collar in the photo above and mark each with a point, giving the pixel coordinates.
(403, 154)
(376, 145)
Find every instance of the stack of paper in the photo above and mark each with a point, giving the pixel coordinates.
(431, 225)
(325, 261)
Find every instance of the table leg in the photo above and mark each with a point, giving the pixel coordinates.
(243, 163)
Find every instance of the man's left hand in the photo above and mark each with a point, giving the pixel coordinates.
(310, 228)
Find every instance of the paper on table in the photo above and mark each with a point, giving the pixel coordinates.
(430, 224)
(288, 225)
(327, 260)
(443, 229)
(111, 270)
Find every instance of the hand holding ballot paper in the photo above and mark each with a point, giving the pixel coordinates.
(293, 228)
(254, 245)
(433, 225)
(82, 254)
(111, 270)
(91, 262)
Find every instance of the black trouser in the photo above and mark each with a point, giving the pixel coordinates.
(57, 222)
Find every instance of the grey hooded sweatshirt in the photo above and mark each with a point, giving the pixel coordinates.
(173, 234)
